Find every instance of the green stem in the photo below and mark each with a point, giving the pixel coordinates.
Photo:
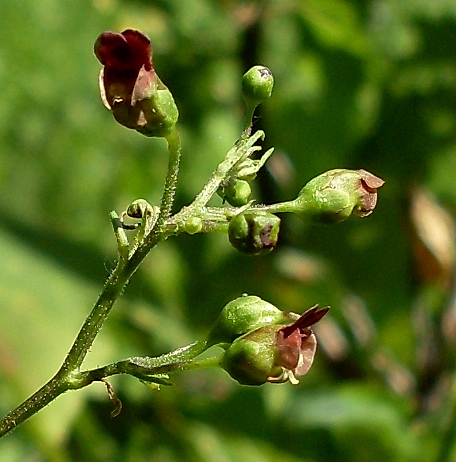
(114, 286)
(238, 152)
(32, 405)
(84, 340)
(68, 377)
(143, 368)
(216, 219)
(281, 207)
(159, 231)
(250, 110)
(166, 204)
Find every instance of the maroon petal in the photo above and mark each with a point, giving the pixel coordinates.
(309, 318)
(145, 85)
(370, 182)
(129, 50)
(140, 47)
(111, 49)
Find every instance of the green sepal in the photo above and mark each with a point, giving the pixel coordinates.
(161, 113)
(242, 315)
(250, 359)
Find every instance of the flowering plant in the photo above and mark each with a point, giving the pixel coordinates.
(257, 342)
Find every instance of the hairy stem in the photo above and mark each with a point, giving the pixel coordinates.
(236, 154)
(113, 287)
(69, 377)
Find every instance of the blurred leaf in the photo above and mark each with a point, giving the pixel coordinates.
(366, 423)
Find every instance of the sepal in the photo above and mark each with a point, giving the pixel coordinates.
(245, 314)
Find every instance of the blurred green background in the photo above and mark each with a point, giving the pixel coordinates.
(359, 84)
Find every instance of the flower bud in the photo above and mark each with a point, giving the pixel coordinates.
(254, 232)
(274, 353)
(257, 85)
(193, 225)
(140, 207)
(245, 314)
(236, 192)
(129, 85)
(334, 195)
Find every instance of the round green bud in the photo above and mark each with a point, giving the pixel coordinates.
(257, 85)
(245, 314)
(140, 207)
(237, 192)
(254, 232)
(193, 225)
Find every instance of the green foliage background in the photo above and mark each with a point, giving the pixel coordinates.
(359, 84)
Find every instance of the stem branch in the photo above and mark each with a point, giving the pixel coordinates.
(115, 284)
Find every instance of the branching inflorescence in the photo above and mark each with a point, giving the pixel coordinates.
(258, 342)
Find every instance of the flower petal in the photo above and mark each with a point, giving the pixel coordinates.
(128, 51)
(372, 182)
(103, 90)
(308, 349)
(309, 318)
(145, 86)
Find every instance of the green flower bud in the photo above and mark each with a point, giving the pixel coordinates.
(140, 207)
(274, 353)
(245, 314)
(236, 192)
(335, 195)
(254, 232)
(257, 85)
(193, 225)
(130, 87)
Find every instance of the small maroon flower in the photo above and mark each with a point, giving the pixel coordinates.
(274, 353)
(129, 85)
(296, 346)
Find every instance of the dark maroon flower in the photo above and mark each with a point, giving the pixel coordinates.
(129, 86)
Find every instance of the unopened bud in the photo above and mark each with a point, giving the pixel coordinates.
(257, 84)
(236, 192)
(193, 225)
(335, 195)
(254, 232)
